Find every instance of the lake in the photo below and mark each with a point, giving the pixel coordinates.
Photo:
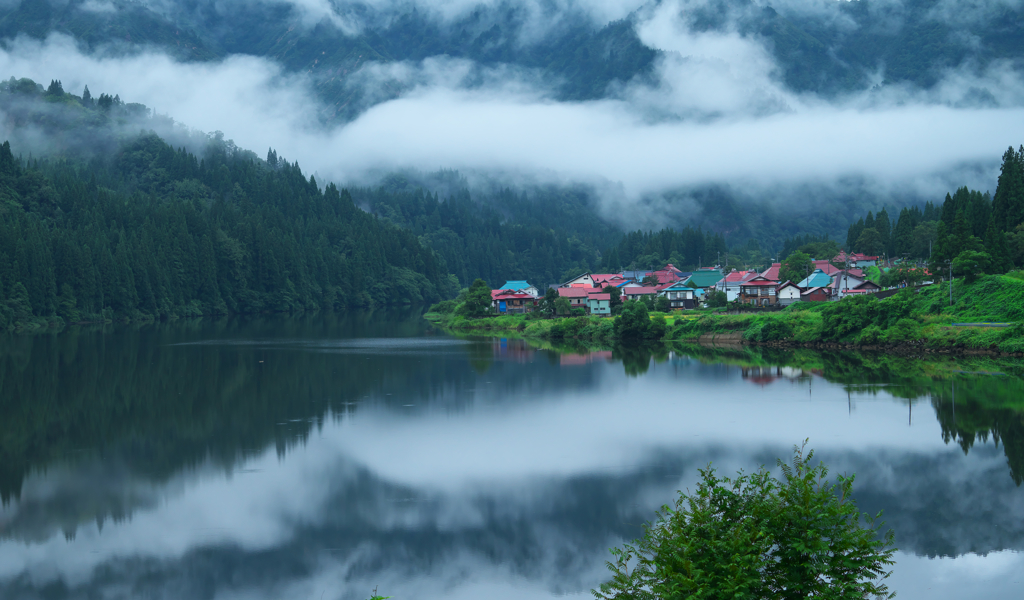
(320, 457)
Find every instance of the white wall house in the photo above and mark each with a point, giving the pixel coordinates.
(788, 293)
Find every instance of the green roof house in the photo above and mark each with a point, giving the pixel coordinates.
(704, 278)
(816, 279)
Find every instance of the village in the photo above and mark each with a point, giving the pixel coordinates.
(673, 289)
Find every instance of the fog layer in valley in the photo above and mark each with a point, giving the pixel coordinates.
(714, 108)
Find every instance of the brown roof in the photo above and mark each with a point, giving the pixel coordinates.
(600, 297)
(573, 292)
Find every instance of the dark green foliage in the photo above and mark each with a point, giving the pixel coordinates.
(685, 248)
(476, 302)
(969, 264)
(662, 304)
(155, 232)
(633, 323)
(715, 299)
(796, 267)
(853, 315)
(496, 236)
(756, 536)
(1008, 204)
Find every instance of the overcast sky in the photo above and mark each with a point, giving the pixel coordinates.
(717, 113)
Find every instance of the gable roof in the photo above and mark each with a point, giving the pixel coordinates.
(816, 279)
(815, 290)
(772, 272)
(516, 285)
(703, 278)
(573, 292)
(826, 267)
(787, 283)
(600, 297)
(637, 290)
(739, 276)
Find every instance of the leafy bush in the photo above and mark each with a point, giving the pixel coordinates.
(444, 307)
(757, 537)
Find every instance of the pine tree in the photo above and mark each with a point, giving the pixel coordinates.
(1008, 204)
(995, 246)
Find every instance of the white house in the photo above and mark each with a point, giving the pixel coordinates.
(584, 280)
(680, 295)
(788, 293)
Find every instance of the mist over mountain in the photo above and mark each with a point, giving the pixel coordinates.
(753, 119)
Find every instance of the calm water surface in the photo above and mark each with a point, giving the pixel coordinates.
(321, 457)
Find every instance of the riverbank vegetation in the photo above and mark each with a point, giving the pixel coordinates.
(923, 318)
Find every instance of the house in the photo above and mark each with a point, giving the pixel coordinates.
(584, 280)
(816, 294)
(577, 296)
(857, 259)
(608, 279)
(638, 292)
(843, 282)
(826, 267)
(772, 272)
(521, 286)
(704, 278)
(731, 283)
(759, 291)
(680, 295)
(635, 275)
(787, 293)
(512, 302)
(819, 278)
(669, 274)
(599, 304)
(867, 287)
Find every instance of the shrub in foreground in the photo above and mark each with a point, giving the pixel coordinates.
(756, 536)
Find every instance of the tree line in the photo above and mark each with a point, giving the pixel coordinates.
(155, 232)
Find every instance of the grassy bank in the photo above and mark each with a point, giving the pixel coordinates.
(911, 318)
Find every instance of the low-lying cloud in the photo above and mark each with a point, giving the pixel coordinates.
(717, 113)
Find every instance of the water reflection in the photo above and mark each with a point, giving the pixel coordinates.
(294, 458)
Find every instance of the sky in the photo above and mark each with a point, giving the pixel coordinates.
(716, 113)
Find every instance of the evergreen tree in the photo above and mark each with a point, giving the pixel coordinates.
(1008, 204)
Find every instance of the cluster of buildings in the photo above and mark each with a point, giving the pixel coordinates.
(685, 290)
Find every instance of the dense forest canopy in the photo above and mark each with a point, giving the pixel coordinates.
(151, 231)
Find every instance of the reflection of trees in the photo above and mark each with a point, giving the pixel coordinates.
(132, 393)
(984, 407)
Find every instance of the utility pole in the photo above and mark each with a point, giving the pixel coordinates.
(951, 283)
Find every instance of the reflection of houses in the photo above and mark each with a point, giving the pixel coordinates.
(567, 360)
(764, 375)
(513, 350)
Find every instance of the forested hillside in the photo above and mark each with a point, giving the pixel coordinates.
(150, 231)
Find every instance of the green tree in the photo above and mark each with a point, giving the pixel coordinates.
(969, 264)
(477, 302)
(633, 323)
(796, 267)
(756, 536)
(562, 307)
(616, 298)
(869, 241)
(662, 304)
